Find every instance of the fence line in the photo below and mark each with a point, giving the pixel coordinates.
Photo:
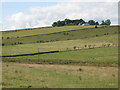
(55, 51)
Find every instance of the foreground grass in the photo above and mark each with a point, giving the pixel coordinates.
(58, 76)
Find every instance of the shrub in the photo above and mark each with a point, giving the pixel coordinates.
(96, 35)
(108, 45)
(42, 41)
(85, 46)
(103, 45)
(7, 65)
(20, 43)
(15, 43)
(37, 41)
(16, 71)
(80, 69)
(3, 44)
(8, 37)
(65, 33)
(74, 47)
(89, 46)
(95, 26)
(29, 86)
(105, 34)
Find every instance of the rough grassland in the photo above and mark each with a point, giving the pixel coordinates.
(58, 76)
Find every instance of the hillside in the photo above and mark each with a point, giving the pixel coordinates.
(58, 36)
(87, 57)
(38, 31)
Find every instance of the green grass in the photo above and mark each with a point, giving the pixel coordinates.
(71, 35)
(45, 30)
(58, 76)
(108, 54)
(59, 45)
(80, 68)
(96, 57)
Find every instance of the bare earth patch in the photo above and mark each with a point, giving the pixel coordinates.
(73, 67)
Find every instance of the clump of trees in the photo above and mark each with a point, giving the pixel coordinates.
(106, 22)
(68, 22)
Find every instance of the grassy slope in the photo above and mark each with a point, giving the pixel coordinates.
(79, 34)
(58, 76)
(21, 33)
(107, 57)
(59, 45)
(108, 54)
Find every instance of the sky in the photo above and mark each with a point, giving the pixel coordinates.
(20, 15)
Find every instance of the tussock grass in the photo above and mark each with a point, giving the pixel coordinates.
(58, 76)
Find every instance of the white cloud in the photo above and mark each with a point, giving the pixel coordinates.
(44, 16)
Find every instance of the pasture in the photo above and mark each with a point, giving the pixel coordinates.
(77, 57)
(88, 57)
(17, 75)
(44, 30)
(63, 45)
(60, 36)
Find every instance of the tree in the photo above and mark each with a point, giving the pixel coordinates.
(62, 23)
(67, 21)
(82, 21)
(54, 24)
(103, 23)
(74, 47)
(76, 22)
(96, 23)
(91, 22)
(107, 22)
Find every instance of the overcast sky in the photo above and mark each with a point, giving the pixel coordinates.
(19, 15)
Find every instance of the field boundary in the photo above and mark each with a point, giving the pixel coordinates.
(30, 54)
(52, 52)
(59, 62)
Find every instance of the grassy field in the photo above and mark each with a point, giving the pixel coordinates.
(96, 57)
(76, 66)
(59, 45)
(71, 35)
(45, 30)
(88, 55)
(58, 76)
